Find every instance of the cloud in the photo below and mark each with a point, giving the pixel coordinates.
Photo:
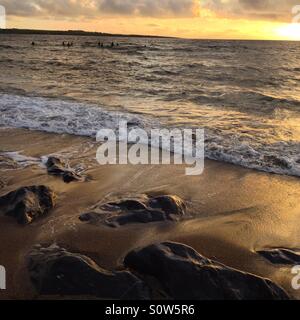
(62, 9)
(72, 8)
(19, 7)
(150, 8)
(280, 10)
(50, 8)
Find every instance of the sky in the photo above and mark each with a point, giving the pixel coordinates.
(213, 19)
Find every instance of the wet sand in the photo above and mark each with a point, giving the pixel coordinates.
(232, 211)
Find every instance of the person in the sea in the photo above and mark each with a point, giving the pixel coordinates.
(112, 45)
(63, 44)
(33, 43)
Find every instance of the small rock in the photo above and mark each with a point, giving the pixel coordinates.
(186, 275)
(55, 271)
(171, 205)
(28, 203)
(129, 211)
(281, 256)
(115, 221)
(56, 167)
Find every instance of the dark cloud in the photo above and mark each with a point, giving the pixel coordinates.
(253, 9)
(19, 8)
(49, 8)
(151, 8)
(71, 8)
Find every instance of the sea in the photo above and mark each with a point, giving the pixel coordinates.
(244, 94)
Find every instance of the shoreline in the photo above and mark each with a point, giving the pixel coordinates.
(28, 112)
(232, 212)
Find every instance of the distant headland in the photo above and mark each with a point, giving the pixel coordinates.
(73, 33)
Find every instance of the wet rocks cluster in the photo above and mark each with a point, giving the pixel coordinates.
(27, 204)
(181, 272)
(186, 274)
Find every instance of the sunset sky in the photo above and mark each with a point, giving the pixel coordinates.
(238, 19)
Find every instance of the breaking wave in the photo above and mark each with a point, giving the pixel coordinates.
(82, 119)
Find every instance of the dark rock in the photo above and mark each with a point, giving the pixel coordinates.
(56, 167)
(281, 256)
(140, 216)
(128, 205)
(129, 211)
(28, 203)
(186, 275)
(171, 205)
(54, 271)
(89, 217)
(115, 221)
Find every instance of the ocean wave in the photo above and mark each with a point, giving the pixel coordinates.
(75, 118)
(59, 116)
(281, 158)
(250, 101)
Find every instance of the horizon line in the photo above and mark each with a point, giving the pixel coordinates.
(99, 33)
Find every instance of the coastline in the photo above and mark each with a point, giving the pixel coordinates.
(232, 212)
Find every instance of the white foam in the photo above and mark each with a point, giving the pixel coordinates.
(60, 116)
(280, 158)
(84, 119)
(22, 160)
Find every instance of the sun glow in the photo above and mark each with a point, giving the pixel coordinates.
(290, 31)
(205, 24)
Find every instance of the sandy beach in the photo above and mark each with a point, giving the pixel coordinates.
(232, 212)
